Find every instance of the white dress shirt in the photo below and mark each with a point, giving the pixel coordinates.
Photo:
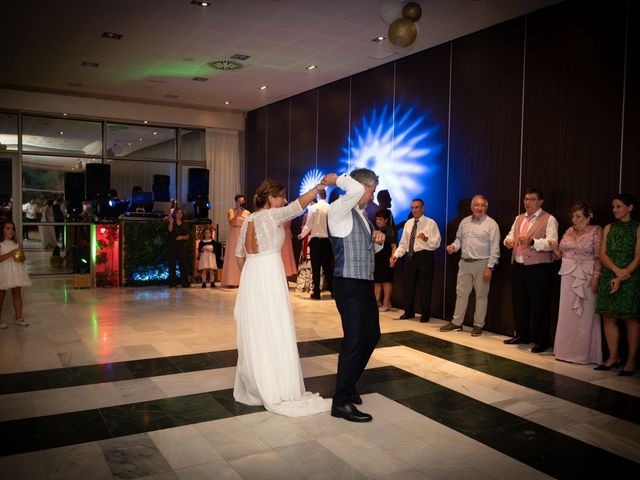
(316, 221)
(339, 217)
(425, 225)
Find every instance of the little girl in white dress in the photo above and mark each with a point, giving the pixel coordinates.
(13, 273)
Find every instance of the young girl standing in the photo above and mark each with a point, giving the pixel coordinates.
(13, 273)
(207, 257)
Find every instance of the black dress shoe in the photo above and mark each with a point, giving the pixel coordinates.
(315, 296)
(606, 368)
(355, 399)
(349, 412)
(626, 373)
(424, 319)
(516, 340)
(406, 316)
(539, 348)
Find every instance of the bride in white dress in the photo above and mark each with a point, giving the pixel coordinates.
(268, 371)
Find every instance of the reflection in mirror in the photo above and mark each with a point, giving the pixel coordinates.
(45, 205)
(136, 141)
(6, 201)
(61, 135)
(192, 145)
(8, 132)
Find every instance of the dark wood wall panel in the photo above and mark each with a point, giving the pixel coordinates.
(304, 108)
(486, 112)
(333, 123)
(278, 142)
(631, 148)
(422, 82)
(573, 104)
(256, 141)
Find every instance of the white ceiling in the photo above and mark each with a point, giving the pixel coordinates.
(166, 43)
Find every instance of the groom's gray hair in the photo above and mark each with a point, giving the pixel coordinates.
(365, 176)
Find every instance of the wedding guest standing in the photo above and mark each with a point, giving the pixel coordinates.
(619, 290)
(236, 216)
(531, 260)
(578, 331)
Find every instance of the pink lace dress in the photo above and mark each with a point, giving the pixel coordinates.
(578, 338)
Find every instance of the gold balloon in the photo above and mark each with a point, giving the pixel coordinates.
(412, 11)
(402, 32)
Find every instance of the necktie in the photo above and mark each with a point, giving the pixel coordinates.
(412, 238)
(524, 228)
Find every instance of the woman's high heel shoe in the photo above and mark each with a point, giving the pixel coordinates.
(608, 367)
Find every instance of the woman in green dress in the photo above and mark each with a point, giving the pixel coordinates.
(619, 291)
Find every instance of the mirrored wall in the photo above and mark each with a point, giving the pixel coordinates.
(45, 189)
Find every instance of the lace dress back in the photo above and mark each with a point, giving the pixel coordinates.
(268, 371)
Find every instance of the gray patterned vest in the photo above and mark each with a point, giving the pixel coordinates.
(354, 254)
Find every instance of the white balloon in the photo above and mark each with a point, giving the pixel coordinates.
(391, 10)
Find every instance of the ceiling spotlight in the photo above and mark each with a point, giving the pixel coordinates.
(140, 139)
(61, 133)
(227, 102)
(64, 114)
(112, 36)
(199, 4)
(146, 121)
(378, 39)
(263, 87)
(155, 133)
(312, 67)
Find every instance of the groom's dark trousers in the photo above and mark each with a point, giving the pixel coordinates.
(358, 309)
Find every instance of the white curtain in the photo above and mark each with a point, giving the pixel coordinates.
(223, 162)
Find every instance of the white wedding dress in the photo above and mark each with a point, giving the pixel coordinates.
(268, 371)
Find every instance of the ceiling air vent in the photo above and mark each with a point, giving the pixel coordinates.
(225, 65)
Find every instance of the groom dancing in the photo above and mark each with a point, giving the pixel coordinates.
(354, 242)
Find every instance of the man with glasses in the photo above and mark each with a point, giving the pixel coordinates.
(532, 258)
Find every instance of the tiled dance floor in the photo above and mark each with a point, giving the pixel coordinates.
(137, 383)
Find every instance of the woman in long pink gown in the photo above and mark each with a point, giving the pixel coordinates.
(230, 270)
(578, 337)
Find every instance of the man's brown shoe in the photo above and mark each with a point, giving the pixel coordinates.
(450, 326)
(477, 331)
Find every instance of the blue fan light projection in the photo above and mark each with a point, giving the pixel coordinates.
(399, 145)
(310, 180)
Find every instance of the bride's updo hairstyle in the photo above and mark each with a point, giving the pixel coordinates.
(268, 187)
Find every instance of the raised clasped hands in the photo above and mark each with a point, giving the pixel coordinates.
(329, 179)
